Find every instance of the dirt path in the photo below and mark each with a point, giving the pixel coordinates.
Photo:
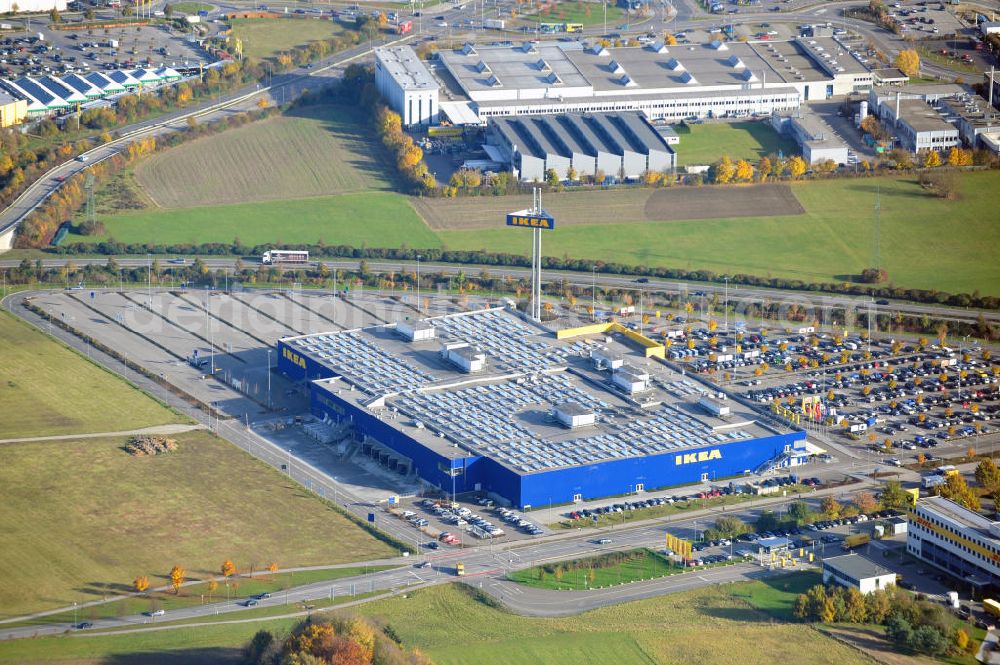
(158, 429)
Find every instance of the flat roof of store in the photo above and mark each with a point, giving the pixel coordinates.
(505, 412)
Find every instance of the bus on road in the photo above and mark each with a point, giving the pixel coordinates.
(273, 256)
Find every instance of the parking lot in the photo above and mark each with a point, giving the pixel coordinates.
(24, 53)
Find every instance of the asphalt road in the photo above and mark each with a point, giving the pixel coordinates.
(817, 302)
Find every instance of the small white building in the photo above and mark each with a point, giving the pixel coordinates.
(714, 405)
(465, 357)
(857, 572)
(415, 331)
(407, 85)
(573, 415)
(631, 379)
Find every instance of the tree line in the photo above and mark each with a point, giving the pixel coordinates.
(504, 259)
(912, 623)
(337, 641)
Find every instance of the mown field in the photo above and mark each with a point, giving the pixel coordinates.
(88, 518)
(377, 219)
(46, 389)
(710, 625)
(587, 13)
(706, 143)
(265, 37)
(926, 242)
(315, 151)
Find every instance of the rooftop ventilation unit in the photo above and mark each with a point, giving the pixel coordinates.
(528, 47)
(719, 45)
(598, 50)
(627, 81)
(735, 62)
(483, 68)
(659, 46)
(615, 67)
(675, 65)
(688, 79)
(542, 65)
(494, 82)
(748, 76)
(468, 49)
(553, 79)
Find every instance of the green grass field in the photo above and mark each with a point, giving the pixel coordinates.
(706, 143)
(709, 625)
(48, 390)
(89, 518)
(265, 37)
(577, 12)
(374, 218)
(646, 566)
(191, 7)
(921, 247)
(315, 151)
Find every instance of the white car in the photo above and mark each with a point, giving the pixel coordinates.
(443, 24)
(157, 613)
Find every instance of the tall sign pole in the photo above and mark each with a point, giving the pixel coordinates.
(537, 220)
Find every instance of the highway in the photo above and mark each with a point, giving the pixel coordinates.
(818, 303)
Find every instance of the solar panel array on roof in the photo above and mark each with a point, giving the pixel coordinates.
(503, 339)
(484, 419)
(366, 364)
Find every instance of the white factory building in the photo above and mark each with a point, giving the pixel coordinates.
(406, 85)
(621, 145)
(720, 79)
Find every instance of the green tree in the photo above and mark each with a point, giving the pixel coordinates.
(551, 178)
(799, 511)
(878, 606)
(801, 608)
(857, 611)
(893, 496)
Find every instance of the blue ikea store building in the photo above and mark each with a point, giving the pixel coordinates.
(446, 462)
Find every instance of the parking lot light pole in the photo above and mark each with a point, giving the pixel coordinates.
(593, 282)
(269, 379)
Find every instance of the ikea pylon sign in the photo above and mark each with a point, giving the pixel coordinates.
(531, 221)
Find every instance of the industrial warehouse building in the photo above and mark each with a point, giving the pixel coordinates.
(955, 539)
(720, 79)
(406, 85)
(621, 145)
(486, 401)
(815, 137)
(912, 115)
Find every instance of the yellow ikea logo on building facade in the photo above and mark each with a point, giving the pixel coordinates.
(293, 357)
(531, 221)
(702, 456)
